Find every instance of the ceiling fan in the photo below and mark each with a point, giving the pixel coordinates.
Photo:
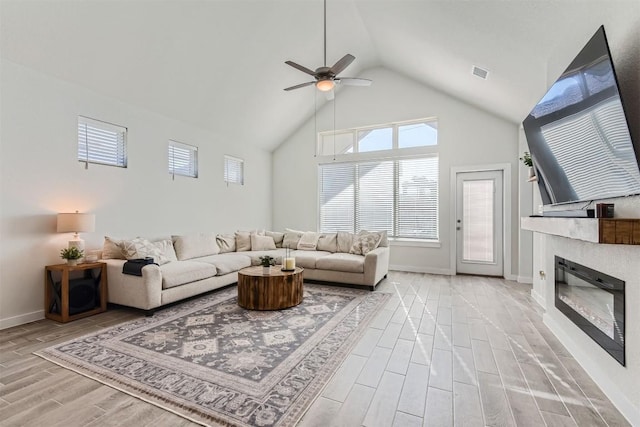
(327, 77)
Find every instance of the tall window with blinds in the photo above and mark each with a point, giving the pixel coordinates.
(183, 159)
(233, 170)
(397, 195)
(101, 142)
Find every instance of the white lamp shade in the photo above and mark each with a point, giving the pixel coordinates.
(76, 222)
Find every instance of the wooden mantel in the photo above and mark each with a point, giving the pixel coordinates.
(619, 231)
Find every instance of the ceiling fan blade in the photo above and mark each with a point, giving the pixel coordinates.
(342, 64)
(299, 86)
(329, 95)
(301, 68)
(353, 81)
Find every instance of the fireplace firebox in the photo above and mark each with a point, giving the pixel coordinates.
(593, 301)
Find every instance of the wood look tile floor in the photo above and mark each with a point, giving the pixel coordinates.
(445, 351)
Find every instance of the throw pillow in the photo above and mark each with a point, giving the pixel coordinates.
(226, 243)
(328, 242)
(195, 245)
(365, 242)
(243, 241)
(277, 237)
(262, 243)
(142, 248)
(345, 241)
(308, 241)
(167, 249)
(291, 238)
(112, 248)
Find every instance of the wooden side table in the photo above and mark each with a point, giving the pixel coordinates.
(75, 291)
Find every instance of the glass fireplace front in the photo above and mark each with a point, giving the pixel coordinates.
(594, 302)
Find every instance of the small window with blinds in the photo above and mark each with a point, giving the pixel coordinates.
(101, 143)
(183, 159)
(233, 170)
(397, 195)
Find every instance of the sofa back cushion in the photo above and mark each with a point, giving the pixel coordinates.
(328, 242)
(195, 245)
(345, 241)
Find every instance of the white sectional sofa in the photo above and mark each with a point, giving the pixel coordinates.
(192, 264)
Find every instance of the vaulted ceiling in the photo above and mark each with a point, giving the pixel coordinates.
(219, 64)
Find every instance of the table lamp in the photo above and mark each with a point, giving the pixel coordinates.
(76, 223)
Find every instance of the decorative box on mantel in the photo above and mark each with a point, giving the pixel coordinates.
(619, 231)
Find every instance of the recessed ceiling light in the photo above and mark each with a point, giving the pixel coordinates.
(480, 72)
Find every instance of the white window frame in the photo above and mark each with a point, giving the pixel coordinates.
(193, 159)
(230, 161)
(356, 149)
(393, 154)
(118, 133)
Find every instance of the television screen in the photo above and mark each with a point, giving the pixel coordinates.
(578, 134)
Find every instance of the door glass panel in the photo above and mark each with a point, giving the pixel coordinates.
(477, 221)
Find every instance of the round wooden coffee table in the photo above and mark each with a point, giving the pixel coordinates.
(275, 290)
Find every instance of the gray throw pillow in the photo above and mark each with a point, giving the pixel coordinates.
(291, 239)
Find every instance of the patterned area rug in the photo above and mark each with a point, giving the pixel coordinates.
(215, 363)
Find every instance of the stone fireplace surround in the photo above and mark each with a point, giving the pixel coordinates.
(573, 239)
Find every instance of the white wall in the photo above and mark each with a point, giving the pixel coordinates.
(467, 136)
(40, 176)
(620, 384)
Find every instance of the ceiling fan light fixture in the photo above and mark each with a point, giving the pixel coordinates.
(325, 85)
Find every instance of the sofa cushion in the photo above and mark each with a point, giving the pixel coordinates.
(277, 237)
(308, 259)
(349, 263)
(308, 241)
(328, 242)
(226, 243)
(262, 243)
(183, 272)
(142, 248)
(345, 241)
(195, 245)
(227, 263)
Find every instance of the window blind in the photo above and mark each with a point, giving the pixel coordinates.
(101, 142)
(233, 170)
(399, 196)
(183, 159)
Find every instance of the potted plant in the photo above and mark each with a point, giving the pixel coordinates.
(528, 161)
(266, 262)
(72, 255)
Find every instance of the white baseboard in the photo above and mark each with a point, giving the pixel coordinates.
(525, 279)
(414, 269)
(538, 298)
(21, 319)
(511, 277)
(597, 374)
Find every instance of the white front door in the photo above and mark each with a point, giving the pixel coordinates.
(479, 225)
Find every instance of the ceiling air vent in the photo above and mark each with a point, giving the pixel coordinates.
(480, 72)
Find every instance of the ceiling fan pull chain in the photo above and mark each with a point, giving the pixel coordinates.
(334, 129)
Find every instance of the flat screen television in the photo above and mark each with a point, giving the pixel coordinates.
(578, 133)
